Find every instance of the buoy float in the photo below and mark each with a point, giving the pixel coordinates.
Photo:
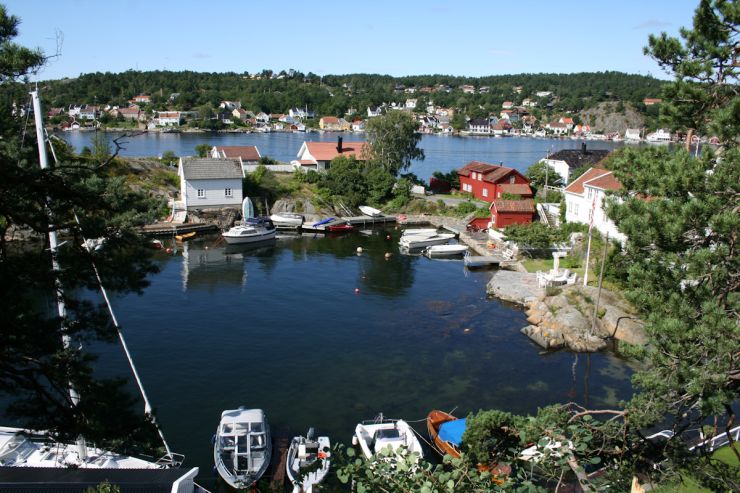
(206, 248)
(387, 255)
(168, 250)
(388, 237)
(357, 290)
(359, 249)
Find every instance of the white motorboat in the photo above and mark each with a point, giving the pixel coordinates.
(370, 211)
(242, 446)
(384, 435)
(287, 220)
(24, 448)
(308, 461)
(445, 250)
(252, 230)
(419, 232)
(419, 241)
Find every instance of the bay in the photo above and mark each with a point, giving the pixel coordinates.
(280, 327)
(443, 152)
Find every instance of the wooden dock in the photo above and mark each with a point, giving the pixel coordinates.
(171, 229)
(279, 461)
(481, 261)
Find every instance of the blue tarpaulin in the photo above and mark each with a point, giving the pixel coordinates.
(452, 431)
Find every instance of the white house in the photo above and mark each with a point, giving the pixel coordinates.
(262, 117)
(411, 104)
(230, 105)
(632, 134)
(373, 111)
(584, 201)
(246, 154)
(208, 182)
(168, 118)
(566, 160)
(479, 126)
(543, 94)
(318, 155)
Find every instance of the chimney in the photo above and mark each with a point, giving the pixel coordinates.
(583, 148)
(339, 145)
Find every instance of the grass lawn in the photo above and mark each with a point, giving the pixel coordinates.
(689, 484)
(535, 264)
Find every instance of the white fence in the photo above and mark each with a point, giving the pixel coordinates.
(278, 168)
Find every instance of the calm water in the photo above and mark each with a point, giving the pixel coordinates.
(443, 152)
(280, 327)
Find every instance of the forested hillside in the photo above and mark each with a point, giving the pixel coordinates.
(336, 94)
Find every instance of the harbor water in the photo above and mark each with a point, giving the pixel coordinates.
(319, 335)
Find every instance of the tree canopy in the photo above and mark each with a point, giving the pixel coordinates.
(394, 141)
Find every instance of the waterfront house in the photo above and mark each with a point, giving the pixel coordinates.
(373, 111)
(168, 118)
(132, 113)
(490, 181)
(567, 160)
(480, 126)
(301, 113)
(632, 134)
(262, 118)
(334, 124)
(505, 212)
(584, 201)
(207, 182)
(88, 112)
(241, 114)
(501, 127)
(358, 125)
(74, 109)
(245, 154)
(567, 121)
(557, 128)
(318, 155)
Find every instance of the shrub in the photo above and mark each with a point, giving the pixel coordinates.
(552, 291)
(465, 208)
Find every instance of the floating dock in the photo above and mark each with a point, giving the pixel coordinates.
(171, 229)
(481, 261)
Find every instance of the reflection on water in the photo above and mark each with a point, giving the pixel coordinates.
(281, 327)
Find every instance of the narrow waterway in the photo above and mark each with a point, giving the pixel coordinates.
(280, 327)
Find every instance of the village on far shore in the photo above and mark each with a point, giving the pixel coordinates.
(514, 119)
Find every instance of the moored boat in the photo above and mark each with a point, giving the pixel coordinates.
(242, 446)
(185, 236)
(445, 431)
(340, 228)
(419, 232)
(419, 241)
(383, 434)
(252, 230)
(370, 211)
(303, 455)
(445, 250)
(287, 220)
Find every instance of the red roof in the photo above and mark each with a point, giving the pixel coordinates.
(566, 120)
(524, 205)
(592, 173)
(326, 151)
(516, 189)
(605, 182)
(492, 172)
(330, 119)
(247, 153)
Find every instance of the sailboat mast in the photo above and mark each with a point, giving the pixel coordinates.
(53, 248)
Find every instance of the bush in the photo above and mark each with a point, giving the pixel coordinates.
(534, 235)
(465, 208)
(552, 291)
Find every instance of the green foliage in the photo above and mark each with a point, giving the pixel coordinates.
(345, 180)
(465, 208)
(169, 158)
(393, 141)
(538, 173)
(489, 435)
(104, 487)
(265, 160)
(510, 196)
(202, 150)
(450, 177)
(535, 235)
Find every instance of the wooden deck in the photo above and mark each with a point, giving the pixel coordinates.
(171, 229)
(278, 462)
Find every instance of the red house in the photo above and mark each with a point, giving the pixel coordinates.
(490, 181)
(507, 212)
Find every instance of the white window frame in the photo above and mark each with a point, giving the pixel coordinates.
(485, 192)
(512, 179)
(228, 192)
(201, 193)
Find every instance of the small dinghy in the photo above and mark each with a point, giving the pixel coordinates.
(308, 463)
(419, 241)
(381, 434)
(287, 220)
(445, 250)
(419, 232)
(242, 446)
(370, 211)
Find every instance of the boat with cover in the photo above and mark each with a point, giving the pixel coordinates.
(287, 220)
(419, 232)
(322, 222)
(309, 460)
(445, 250)
(379, 434)
(242, 446)
(419, 241)
(370, 211)
(251, 230)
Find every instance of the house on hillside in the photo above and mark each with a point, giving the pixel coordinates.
(557, 128)
(333, 124)
(230, 105)
(207, 183)
(318, 155)
(584, 201)
(507, 105)
(507, 212)
(651, 101)
(373, 111)
(481, 126)
(488, 182)
(132, 113)
(245, 154)
(141, 98)
(168, 118)
(567, 160)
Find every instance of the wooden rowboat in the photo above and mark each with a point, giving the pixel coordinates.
(185, 236)
(435, 419)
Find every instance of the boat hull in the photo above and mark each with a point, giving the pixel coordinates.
(257, 237)
(228, 442)
(435, 419)
(285, 221)
(293, 464)
(413, 242)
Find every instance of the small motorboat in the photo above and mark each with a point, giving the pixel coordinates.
(287, 220)
(340, 228)
(419, 232)
(308, 463)
(370, 211)
(242, 446)
(185, 236)
(419, 241)
(322, 222)
(252, 230)
(386, 434)
(445, 250)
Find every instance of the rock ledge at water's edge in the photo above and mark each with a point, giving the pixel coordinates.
(566, 319)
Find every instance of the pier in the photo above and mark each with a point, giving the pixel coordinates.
(171, 229)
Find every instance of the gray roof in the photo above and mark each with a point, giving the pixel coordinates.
(211, 169)
(64, 480)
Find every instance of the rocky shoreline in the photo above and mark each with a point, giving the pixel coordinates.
(566, 318)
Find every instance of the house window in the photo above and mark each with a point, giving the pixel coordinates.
(480, 177)
(201, 193)
(473, 175)
(227, 192)
(511, 179)
(493, 218)
(590, 192)
(485, 192)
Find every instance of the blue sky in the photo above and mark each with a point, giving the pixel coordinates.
(398, 37)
